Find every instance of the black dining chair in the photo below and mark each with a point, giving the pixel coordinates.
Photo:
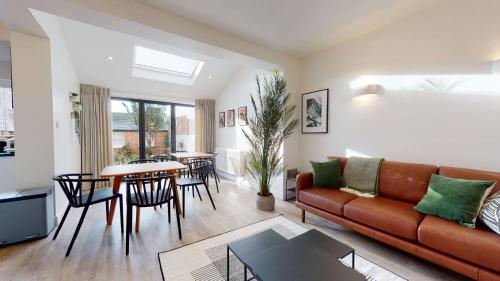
(72, 186)
(149, 192)
(199, 170)
(164, 158)
(142, 161)
(213, 168)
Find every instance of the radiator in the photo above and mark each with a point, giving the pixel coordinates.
(231, 161)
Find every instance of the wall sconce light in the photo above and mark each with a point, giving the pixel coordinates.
(495, 68)
(370, 89)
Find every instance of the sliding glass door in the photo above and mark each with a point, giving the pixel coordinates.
(157, 129)
(126, 145)
(142, 129)
(184, 128)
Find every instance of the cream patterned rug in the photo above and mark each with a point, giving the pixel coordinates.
(206, 259)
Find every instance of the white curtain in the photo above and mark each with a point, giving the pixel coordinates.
(205, 125)
(95, 128)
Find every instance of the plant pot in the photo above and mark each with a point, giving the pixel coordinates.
(265, 203)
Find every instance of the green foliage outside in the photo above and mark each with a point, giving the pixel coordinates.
(156, 121)
(125, 155)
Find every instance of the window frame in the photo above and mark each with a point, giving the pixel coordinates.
(142, 118)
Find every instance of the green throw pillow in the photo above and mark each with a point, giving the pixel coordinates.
(327, 174)
(455, 199)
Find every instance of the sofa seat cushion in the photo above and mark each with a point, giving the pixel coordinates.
(388, 215)
(326, 199)
(479, 245)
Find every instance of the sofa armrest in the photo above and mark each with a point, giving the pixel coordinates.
(304, 180)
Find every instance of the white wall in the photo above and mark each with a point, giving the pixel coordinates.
(64, 81)
(121, 94)
(7, 173)
(4, 32)
(32, 88)
(413, 121)
(5, 70)
(237, 94)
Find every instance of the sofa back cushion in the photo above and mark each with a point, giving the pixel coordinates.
(404, 181)
(343, 162)
(470, 174)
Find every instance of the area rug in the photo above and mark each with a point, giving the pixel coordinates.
(206, 259)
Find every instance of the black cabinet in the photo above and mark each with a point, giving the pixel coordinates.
(290, 184)
(26, 215)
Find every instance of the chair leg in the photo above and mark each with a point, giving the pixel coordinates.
(217, 176)
(168, 204)
(129, 228)
(130, 209)
(121, 213)
(183, 201)
(62, 222)
(178, 219)
(197, 190)
(210, 196)
(80, 222)
(107, 210)
(216, 183)
(192, 190)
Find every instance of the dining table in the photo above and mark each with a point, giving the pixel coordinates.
(183, 156)
(120, 171)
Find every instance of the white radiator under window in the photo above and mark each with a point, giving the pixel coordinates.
(231, 161)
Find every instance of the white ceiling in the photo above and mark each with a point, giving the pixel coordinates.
(296, 27)
(89, 47)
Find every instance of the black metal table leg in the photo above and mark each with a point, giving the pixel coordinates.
(353, 259)
(245, 274)
(227, 263)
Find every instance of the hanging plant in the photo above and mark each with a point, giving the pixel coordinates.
(75, 113)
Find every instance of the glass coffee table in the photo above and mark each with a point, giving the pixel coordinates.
(309, 256)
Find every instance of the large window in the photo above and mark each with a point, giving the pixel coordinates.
(125, 131)
(184, 128)
(142, 129)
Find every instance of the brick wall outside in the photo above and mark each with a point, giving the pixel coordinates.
(132, 139)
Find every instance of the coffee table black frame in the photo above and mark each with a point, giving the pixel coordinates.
(267, 243)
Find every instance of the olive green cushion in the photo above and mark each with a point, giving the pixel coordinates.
(455, 199)
(327, 174)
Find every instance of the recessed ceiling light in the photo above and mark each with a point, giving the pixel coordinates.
(110, 58)
(209, 76)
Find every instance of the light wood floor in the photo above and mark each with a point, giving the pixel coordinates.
(99, 251)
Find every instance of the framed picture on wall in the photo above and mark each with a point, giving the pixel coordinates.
(222, 119)
(315, 112)
(230, 118)
(242, 116)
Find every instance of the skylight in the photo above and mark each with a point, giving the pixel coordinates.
(161, 66)
(165, 62)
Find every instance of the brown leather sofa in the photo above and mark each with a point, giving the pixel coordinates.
(391, 218)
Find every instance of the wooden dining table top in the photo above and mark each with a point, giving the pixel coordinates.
(128, 169)
(184, 155)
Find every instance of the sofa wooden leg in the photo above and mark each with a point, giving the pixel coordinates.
(303, 216)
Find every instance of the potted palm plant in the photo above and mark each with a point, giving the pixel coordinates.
(272, 123)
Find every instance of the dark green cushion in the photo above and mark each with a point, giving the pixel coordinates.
(455, 199)
(327, 174)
